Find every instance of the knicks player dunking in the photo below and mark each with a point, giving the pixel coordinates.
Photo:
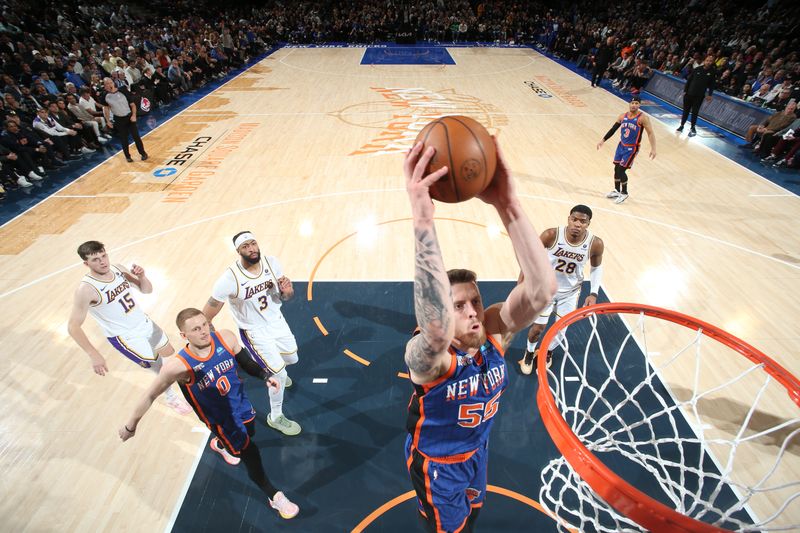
(106, 293)
(569, 247)
(456, 363)
(256, 288)
(632, 124)
(206, 370)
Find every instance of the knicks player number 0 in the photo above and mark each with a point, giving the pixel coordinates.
(471, 415)
(223, 385)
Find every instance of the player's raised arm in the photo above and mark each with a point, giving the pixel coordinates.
(596, 271)
(538, 281)
(136, 276)
(172, 370)
(433, 301)
(80, 307)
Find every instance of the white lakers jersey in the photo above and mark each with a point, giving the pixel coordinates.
(117, 311)
(568, 261)
(255, 300)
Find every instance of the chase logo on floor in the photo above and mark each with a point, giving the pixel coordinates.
(540, 91)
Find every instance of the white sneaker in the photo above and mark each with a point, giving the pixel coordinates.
(621, 198)
(102, 140)
(87, 150)
(34, 176)
(284, 507)
(22, 182)
(220, 449)
(40, 169)
(284, 425)
(612, 194)
(288, 382)
(526, 363)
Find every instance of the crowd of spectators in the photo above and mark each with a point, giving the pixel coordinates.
(55, 55)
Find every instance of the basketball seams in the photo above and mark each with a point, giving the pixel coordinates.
(451, 170)
(478, 143)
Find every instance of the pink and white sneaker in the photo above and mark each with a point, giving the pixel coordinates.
(220, 449)
(284, 507)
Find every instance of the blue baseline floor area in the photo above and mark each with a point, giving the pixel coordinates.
(348, 461)
(407, 55)
(710, 135)
(20, 200)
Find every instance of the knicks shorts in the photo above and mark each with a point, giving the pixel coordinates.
(270, 351)
(561, 305)
(234, 434)
(141, 344)
(625, 155)
(447, 492)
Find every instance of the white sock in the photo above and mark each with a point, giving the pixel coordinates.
(532, 346)
(276, 398)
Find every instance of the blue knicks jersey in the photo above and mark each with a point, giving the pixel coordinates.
(631, 134)
(454, 414)
(215, 391)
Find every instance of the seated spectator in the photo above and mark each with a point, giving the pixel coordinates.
(178, 77)
(783, 153)
(66, 140)
(87, 119)
(745, 91)
(760, 97)
(767, 129)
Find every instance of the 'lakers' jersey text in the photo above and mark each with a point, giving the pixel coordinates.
(254, 299)
(568, 261)
(453, 415)
(114, 307)
(214, 389)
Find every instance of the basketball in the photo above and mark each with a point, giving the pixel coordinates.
(466, 148)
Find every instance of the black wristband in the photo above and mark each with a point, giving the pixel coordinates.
(129, 430)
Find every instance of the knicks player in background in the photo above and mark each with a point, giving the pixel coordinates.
(632, 124)
(206, 372)
(456, 362)
(106, 293)
(256, 288)
(569, 247)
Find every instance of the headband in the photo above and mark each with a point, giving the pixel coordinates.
(243, 238)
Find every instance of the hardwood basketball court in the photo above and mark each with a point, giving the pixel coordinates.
(305, 149)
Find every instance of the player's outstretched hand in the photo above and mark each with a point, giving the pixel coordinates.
(600, 144)
(137, 271)
(501, 191)
(124, 434)
(284, 284)
(273, 384)
(590, 300)
(99, 365)
(418, 184)
(652, 154)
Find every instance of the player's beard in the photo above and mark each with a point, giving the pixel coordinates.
(472, 339)
(246, 261)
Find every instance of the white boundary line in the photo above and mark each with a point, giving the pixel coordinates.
(106, 160)
(189, 477)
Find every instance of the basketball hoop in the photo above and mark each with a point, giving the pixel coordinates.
(611, 419)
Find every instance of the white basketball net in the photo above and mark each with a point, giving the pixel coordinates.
(716, 448)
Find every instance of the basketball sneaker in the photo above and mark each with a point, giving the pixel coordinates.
(284, 425)
(692, 132)
(220, 449)
(621, 198)
(526, 363)
(288, 382)
(680, 129)
(284, 507)
(612, 194)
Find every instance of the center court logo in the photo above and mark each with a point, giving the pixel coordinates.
(540, 91)
(410, 109)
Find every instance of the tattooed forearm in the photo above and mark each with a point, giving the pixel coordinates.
(433, 302)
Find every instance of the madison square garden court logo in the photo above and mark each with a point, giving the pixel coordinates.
(410, 109)
(540, 91)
